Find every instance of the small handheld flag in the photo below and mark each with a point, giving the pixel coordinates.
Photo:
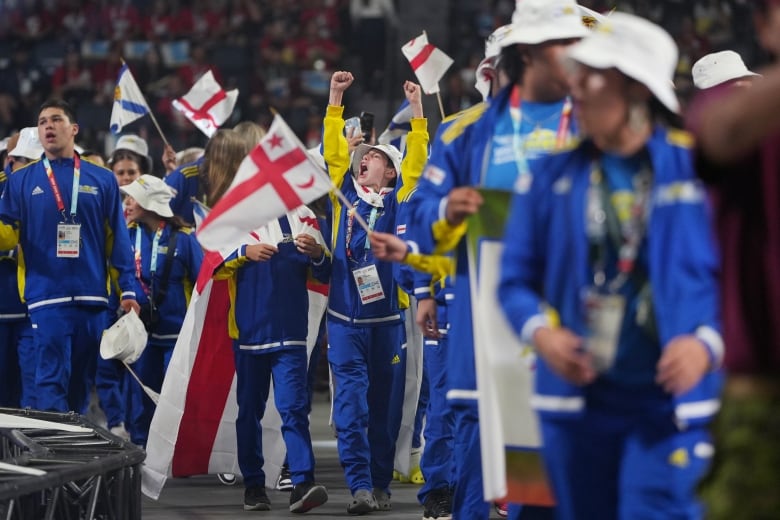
(206, 104)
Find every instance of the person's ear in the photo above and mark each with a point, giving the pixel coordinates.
(75, 129)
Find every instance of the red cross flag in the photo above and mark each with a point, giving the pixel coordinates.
(275, 178)
(206, 104)
(428, 62)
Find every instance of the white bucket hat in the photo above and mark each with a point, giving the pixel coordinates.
(539, 21)
(388, 149)
(151, 193)
(493, 46)
(719, 67)
(28, 145)
(636, 47)
(135, 144)
(125, 340)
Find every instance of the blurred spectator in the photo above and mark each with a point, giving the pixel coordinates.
(22, 89)
(370, 21)
(72, 81)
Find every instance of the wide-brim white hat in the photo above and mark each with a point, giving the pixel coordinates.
(636, 47)
(388, 149)
(28, 145)
(719, 67)
(539, 21)
(151, 193)
(125, 340)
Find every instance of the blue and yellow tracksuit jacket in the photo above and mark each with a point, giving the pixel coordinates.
(186, 265)
(29, 218)
(546, 257)
(185, 183)
(344, 302)
(269, 302)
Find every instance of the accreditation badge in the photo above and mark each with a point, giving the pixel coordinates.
(68, 240)
(368, 284)
(604, 317)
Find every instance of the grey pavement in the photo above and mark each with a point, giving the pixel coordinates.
(204, 497)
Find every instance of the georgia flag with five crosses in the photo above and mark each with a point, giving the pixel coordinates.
(275, 178)
(206, 104)
(428, 62)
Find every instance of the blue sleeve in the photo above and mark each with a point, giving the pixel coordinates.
(321, 269)
(176, 181)
(522, 263)
(195, 256)
(441, 175)
(121, 255)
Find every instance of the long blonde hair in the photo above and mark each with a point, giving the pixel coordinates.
(222, 157)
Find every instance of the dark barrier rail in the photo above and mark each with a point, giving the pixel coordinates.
(47, 473)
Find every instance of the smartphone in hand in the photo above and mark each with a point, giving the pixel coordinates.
(367, 124)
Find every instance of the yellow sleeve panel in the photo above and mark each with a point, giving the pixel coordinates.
(447, 236)
(335, 148)
(21, 272)
(227, 270)
(438, 265)
(680, 138)
(232, 326)
(112, 284)
(9, 236)
(415, 158)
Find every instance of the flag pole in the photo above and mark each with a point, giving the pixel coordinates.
(343, 198)
(438, 92)
(441, 105)
(157, 126)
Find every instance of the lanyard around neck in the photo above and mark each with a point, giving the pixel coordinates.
(153, 261)
(74, 198)
(518, 142)
(351, 222)
(603, 224)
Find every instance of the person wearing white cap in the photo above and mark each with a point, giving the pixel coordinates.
(167, 262)
(130, 159)
(491, 145)
(721, 67)
(614, 236)
(365, 324)
(738, 137)
(66, 216)
(27, 149)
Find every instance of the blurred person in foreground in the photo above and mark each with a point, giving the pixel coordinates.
(490, 146)
(738, 137)
(614, 236)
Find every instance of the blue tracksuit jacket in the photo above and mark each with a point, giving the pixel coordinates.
(546, 258)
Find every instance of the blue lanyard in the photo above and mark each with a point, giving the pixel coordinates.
(155, 246)
(351, 222)
(74, 196)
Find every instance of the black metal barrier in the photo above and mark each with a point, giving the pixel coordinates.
(55, 474)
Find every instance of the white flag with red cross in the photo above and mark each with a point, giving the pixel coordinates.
(275, 178)
(428, 62)
(206, 104)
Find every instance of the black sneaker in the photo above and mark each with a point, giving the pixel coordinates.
(255, 499)
(306, 496)
(284, 482)
(438, 505)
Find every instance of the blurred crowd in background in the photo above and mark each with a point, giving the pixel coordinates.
(278, 54)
